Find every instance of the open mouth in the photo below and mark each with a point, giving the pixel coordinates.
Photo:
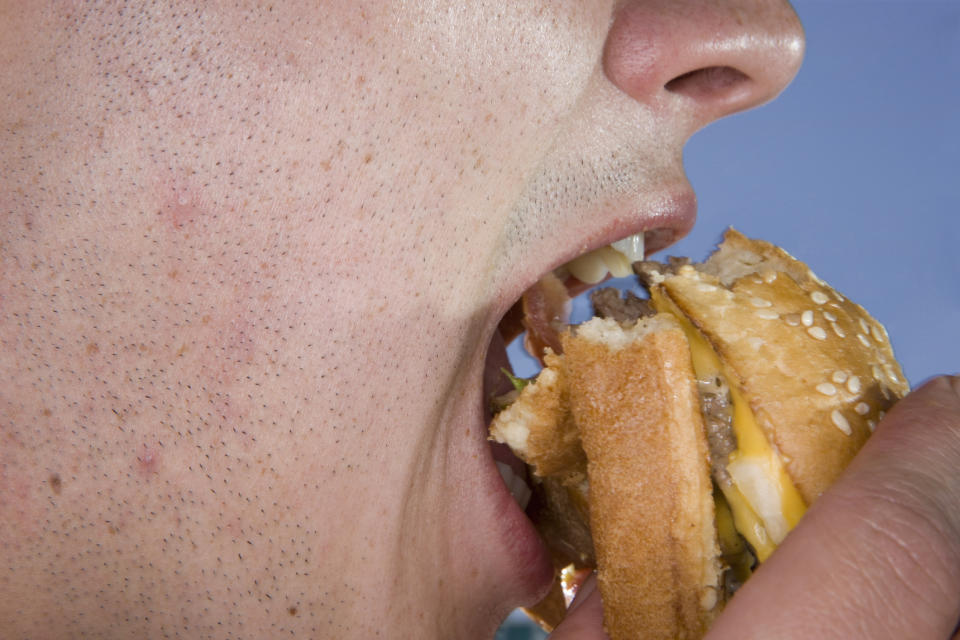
(540, 316)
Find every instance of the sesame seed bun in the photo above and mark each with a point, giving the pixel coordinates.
(816, 368)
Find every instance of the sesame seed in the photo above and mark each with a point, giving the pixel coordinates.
(864, 326)
(806, 318)
(877, 334)
(827, 389)
(840, 422)
(877, 374)
(793, 319)
(853, 385)
(769, 276)
(830, 316)
(862, 408)
(705, 288)
(890, 374)
(871, 424)
(760, 302)
(837, 330)
(819, 297)
(864, 340)
(766, 314)
(839, 377)
(817, 333)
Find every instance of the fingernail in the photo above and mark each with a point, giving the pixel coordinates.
(584, 591)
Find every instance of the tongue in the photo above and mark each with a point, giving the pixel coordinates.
(546, 311)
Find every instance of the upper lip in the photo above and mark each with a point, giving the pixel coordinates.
(670, 218)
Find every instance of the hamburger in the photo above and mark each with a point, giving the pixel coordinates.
(673, 442)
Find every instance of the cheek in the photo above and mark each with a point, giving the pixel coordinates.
(464, 112)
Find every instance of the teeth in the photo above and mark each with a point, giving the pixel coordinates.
(591, 267)
(515, 484)
(631, 247)
(615, 259)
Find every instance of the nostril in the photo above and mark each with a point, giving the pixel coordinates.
(709, 82)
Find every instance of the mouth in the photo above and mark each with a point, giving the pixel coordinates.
(538, 318)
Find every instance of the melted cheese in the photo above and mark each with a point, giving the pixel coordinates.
(763, 499)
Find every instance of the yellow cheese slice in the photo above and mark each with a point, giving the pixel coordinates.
(764, 501)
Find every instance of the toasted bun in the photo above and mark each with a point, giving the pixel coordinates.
(651, 505)
(816, 368)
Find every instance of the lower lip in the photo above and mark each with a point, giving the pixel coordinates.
(520, 540)
(533, 570)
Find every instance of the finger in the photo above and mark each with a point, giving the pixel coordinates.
(877, 556)
(584, 619)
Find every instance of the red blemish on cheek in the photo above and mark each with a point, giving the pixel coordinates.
(148, 462)
(181, 210)
(181, 204)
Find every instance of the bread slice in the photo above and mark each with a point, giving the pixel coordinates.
(634, 399)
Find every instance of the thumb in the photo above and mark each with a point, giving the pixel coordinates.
(878, 555)
(584, 619)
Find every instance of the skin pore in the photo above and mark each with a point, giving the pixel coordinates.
(253, 256)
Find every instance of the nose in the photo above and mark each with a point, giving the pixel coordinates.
(708, 58)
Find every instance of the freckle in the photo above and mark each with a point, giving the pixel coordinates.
(173, 274)
(112, 530)
(292, 611)
(205, 319)
(93, 348)
(47, 412)
(56, 484)
(367, 158)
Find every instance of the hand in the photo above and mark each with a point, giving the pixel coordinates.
(878, 556)
(584, 619)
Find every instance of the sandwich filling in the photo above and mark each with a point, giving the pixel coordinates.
(764, 502)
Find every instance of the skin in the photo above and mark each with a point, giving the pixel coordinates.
(252, 260)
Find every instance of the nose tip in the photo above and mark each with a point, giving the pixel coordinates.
(713, 57)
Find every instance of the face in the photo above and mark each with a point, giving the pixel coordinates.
(308, 222)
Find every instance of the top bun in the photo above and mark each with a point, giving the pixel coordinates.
(816, 369)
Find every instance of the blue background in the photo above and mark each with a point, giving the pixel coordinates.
(854, 169)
